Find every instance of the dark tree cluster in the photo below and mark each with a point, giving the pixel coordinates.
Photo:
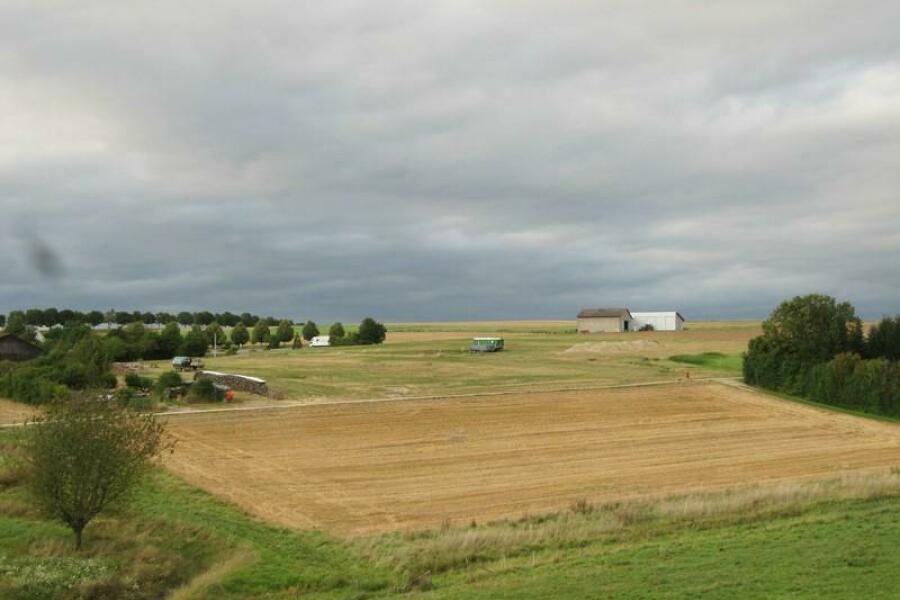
(369, 332)
(816, 347)
(74, 358)
(49, 317)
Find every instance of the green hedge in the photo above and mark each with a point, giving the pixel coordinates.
(849, 381)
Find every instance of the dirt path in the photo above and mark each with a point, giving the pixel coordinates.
(373, 466)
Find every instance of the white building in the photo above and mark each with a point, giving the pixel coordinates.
(320, 341)
(661, 321)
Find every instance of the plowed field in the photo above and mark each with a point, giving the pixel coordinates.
(368, 467)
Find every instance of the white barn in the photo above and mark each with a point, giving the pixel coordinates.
(661, 321)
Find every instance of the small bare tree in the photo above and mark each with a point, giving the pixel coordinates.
(87, 453)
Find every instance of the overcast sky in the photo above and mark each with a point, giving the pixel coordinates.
(449, 160)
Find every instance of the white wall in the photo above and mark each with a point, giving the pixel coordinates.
(661, 321)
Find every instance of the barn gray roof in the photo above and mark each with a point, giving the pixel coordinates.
(589, 313)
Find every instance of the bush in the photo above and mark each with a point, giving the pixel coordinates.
(169, 379)
(203, 390)
(647, 327)
(274, 342)
(141, 403)
(133, 380)
(848, 381)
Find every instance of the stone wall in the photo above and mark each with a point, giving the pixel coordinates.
(240, 383)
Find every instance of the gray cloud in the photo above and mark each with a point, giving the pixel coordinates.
(450, 160)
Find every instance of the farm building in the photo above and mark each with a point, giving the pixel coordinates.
(604, 320)
(661, 321)
(12, 347)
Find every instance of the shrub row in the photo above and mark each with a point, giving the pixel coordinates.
(849, 381)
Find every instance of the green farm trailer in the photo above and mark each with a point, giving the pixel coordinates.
(486, 344)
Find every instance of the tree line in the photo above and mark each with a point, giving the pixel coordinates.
(817, 347)
(49, 317)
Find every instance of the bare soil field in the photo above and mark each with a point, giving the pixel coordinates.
(371, 467)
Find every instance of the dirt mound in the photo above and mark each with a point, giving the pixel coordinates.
(613, 347)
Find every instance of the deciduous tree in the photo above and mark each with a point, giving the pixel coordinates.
(371, 332)
(87, 454)
(336, 331)
(260, 332)
(285, 331)
(239, 334)
(310, 330)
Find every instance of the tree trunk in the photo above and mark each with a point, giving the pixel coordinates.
(78, 537)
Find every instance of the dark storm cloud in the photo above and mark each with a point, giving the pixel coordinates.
(450, 160)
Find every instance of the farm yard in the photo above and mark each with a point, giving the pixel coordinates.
(378, 466)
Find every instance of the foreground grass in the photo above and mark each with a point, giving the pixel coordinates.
(841, 550)
(172, 536)
(801, 539)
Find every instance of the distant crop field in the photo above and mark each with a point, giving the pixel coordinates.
(378, 466)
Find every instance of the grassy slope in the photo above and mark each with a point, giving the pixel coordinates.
(751, 545)
(842, 550)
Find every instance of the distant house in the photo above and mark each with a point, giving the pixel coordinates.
(661, 321)
(320, 341)
(12, 347)
(604, 320)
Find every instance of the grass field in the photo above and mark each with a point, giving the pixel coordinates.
(433, 359)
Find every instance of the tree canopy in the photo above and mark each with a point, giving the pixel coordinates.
(239, 334)
(285, 331)
(310, 330)
(371, 332)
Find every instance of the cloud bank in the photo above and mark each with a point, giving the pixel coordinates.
(450, 160)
